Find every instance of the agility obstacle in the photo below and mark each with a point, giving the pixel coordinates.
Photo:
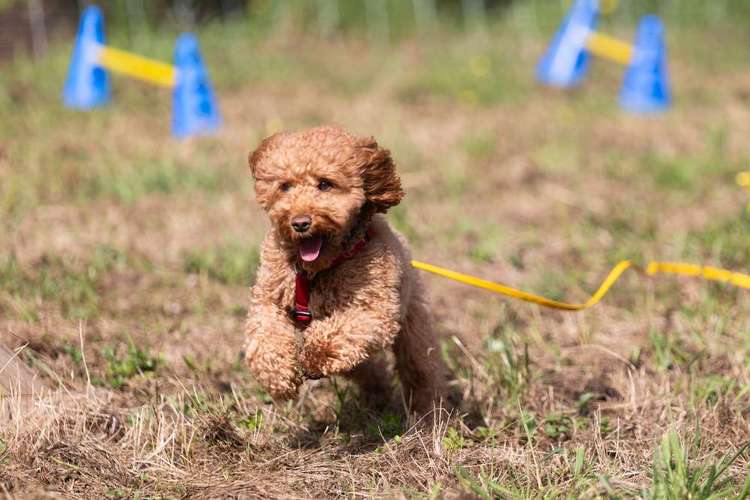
(645, 87)
(194, 108)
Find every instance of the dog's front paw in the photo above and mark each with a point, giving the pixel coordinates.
(283, 389)
(278, 374)
(321, 358)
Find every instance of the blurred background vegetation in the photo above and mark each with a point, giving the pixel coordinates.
(30, 23)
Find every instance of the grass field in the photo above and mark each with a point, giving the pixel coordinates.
(125, 261)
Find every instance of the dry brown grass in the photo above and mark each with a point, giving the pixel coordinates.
(129, 297)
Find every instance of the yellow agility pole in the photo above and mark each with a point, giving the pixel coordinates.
(609, 47)
(708, 273)
(136, 66)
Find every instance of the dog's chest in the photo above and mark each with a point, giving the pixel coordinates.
(326, 292)
(325, 295)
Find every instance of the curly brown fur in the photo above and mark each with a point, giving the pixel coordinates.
(361, 306)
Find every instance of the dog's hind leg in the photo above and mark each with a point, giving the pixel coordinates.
(418, 360)
(374, 380)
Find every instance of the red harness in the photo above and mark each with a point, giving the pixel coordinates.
(301, 310)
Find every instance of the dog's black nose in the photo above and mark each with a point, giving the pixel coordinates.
(301, 223)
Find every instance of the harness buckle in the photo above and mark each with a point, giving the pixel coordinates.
(302, 316)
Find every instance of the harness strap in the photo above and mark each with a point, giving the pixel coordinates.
(301, 311)
(302, 297)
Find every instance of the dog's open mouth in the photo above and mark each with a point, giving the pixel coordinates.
(309, 248)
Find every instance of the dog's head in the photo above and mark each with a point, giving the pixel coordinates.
(320, 187)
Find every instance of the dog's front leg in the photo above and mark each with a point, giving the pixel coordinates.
(271, 350)
(346, 338)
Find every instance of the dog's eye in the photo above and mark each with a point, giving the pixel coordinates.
(286, 186)
(325, 185)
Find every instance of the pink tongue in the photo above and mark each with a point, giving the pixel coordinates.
(309, 248)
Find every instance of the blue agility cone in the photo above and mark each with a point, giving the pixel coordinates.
(566, 61)
(194, 108)
(87, 84)
(645, 88)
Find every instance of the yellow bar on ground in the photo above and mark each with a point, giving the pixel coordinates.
(614, 274)
(708, 273)
(142, 68)
(609, 47)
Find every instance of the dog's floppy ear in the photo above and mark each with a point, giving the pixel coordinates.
(255, 157)
(381, 184)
